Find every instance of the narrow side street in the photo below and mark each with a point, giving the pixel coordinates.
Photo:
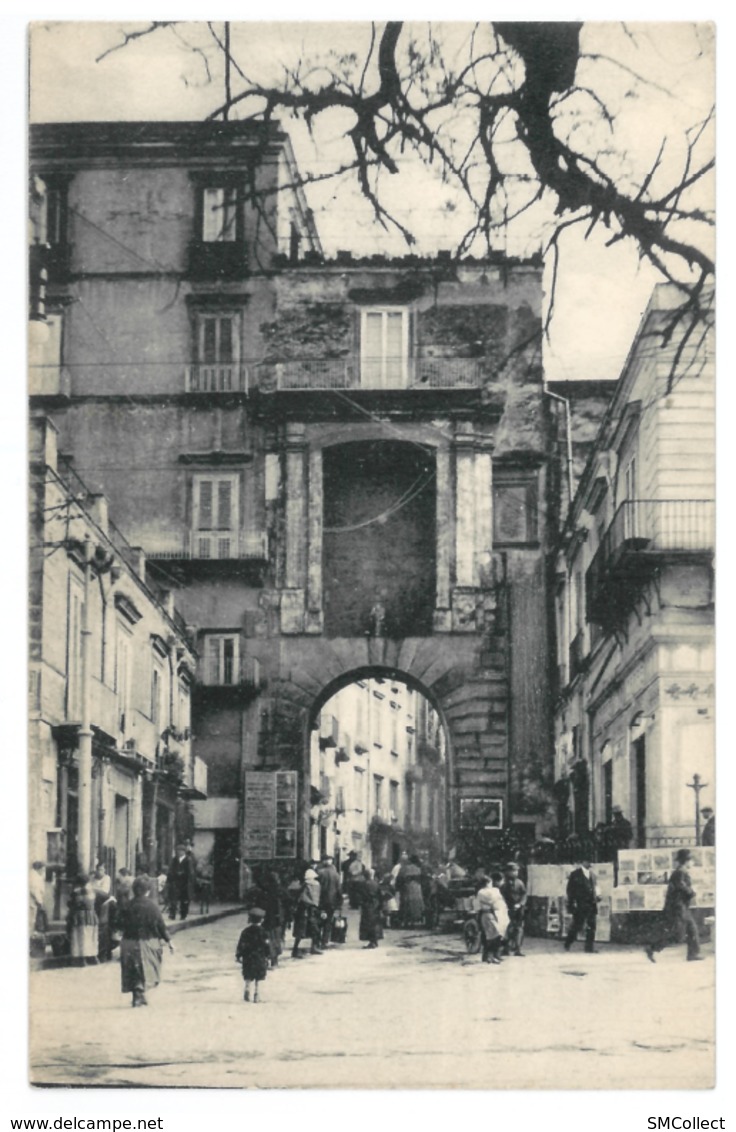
(415, 1012)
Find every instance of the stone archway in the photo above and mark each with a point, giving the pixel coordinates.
(464, 676)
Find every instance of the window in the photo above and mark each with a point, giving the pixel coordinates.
(221, 659)
(215, 527)
(393, 799)
(158, 710)
(384, 348)
(218, 249)
(377, 793)
(395, 731)
(359, 789)
(216, 353)
(56, 210)
(74, 652)
(184, 708)
(631, 500)
(219, 214)
(122, 677)
(514, 507)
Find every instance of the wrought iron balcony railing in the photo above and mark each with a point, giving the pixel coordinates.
(642, 531)
(208, 545)
(229, 672)
(371, 373)
(216, 377)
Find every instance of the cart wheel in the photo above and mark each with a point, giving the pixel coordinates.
(471, 935)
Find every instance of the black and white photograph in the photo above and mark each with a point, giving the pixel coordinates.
(371, 477)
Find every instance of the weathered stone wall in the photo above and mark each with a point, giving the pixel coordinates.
(371, 554)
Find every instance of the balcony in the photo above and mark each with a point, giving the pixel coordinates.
(208, 545)
(644, 534)
(244, 553)
(312, 374)
(230, 672)
(217, 377)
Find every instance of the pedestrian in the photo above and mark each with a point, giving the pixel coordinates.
(306, 922)
(354, 876)
(181, 882)
(330, 898)
(269, 897)
(253, 953)
(708, 836)
(123, 888)
(493, 917)
(101, 885)
(371, 925)
(513, 891)
(204, 873)
(141, 948)
(411, 901)
(102, 881)
(38, 920)
(81, 922)
(677, 923)
(582, 902)
(620, 830)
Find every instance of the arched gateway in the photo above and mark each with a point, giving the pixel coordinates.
(463, 677)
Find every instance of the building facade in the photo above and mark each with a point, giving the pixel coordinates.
(634, 601)
(112, 770)
(344, 469)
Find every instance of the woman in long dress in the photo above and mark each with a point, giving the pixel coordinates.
(371, 922)
(494, 917)
(141, 948)
(81, 922)
(409, 884)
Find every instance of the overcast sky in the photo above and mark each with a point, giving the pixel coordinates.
(602, 292)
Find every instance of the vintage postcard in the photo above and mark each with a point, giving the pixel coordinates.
(371, 589)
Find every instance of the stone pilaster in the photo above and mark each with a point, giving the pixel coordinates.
(314, 550)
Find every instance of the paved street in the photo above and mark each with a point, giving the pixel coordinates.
(415, 1012)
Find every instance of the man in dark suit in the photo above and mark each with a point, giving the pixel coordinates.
(582, 901)
(708, 836)
(180, 882)
(678, 924)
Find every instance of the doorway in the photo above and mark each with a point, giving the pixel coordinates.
(640, 789)
(122, 832)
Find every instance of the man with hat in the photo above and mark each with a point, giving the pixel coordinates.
(513, 891)
(621, 831)
(330, 897)
(678, 921)
(708, 836)
(306, 919)
(180, 882)
(582, 901)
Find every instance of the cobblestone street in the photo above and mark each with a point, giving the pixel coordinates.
(415, 1012)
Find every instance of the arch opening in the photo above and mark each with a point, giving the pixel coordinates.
(378, 771)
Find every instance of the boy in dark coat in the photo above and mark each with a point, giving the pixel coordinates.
(253, 953)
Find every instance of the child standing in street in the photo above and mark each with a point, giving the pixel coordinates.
(253, 953)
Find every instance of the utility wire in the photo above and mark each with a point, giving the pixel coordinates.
(400, 503)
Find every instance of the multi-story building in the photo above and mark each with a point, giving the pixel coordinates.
(634, 722)
(378, 774)
(345, 469)
(112, 770)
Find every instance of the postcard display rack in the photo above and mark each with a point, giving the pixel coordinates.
(631, 893)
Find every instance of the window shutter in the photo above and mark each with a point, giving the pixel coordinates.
(224, 505)
(205, 505)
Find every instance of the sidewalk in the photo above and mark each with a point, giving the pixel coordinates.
(217, 912)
